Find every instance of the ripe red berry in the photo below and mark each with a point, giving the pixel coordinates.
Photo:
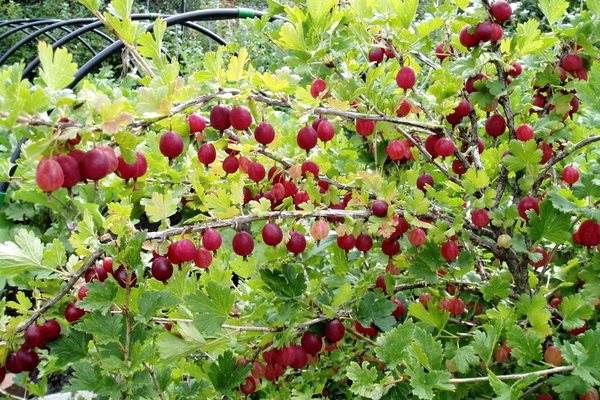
(71, 171)
(325, 130)
(231, 164)
(49, 175)
(449, 250)
(470, 83)
(249, 386)
(479, 217)
(334, 330)
(51, 329)
(185, 250)
(570, 174)
(306, 138)
(500, 11)
(577, 331)
(72, 313)
(365, 127)
(264, 133)
(376, 55)
(589, 233)
(395, 150)
(310, 167)
(457, 167)
(364, 242)
(162, 269)
(430, 143)
(317, 87)
(553, 356)
(82, 292)
(256, 172)
(370, 331)
(456, 306)
(219, 117)
(467, 39)
(300, 357)
(346, 242)
(544, 396)
(11, 364)
(310, 343)
(96, 272)
(463, 108)
(591, 394)
(547, 152)
(27, 359)
(297, 242)
(417, 237)
(571, 62)
(424, 179)
(242, 243)
(390, 247)
(501, 355)
(123, 278)
(207, 154)
(544, 259)
(379, 208)
(203, 258)
(527, 203)
(170, 144)
(196, 123)
(516, 71)
(495, 125)
(443, 51)
(95, 165)
(285, 356)
(126, 170)
(272, 234)
(403, 109)
(405, 78)
(399, 311)
(444, 147)
(524, 132)
(497, 32)
(240, 118)
(34, 336)
(483, 31)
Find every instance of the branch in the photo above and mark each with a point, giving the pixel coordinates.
(239, 328)
(556, 158)
(74, 278)
(151, 372)
(361, 337)
(515, 376)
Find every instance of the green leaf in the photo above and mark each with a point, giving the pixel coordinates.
(105, 328)
(484, 342)
(92, 5)
(150, 302)
(553, 9)
(100, 296)
(54, 255)
(375, 308)
(224, 375)
(121, 8)
(474, 180)
(68, 349)
(523, 155)
(285, 283)
(503, 390)
(161, 206)
(551, 224)
(22, 255)
(126, 28)
(56, 67)
(464, 357)
(585, 90)
(428, 351)
(235, 70)
(394, 344)
(427, 262)
(534, 307)
(586, 186)
(423, 382)
(431, 316)
(364, 380)
(171, 348)
(86, 376)
(497, 286)
(212, 309)
(150, 44)
(406, 10)
(526, 346)
(132, 246)
(574, 310)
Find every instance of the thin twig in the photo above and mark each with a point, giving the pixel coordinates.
(361, 337)
(151, 372)
(74, 278)
(514, 376)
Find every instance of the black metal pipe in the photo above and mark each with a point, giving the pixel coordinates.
(25, 26)
(52, 38)
(18, 21)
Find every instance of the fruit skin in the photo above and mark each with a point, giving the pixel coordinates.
(272, 234)
(325, 131)
(495, 125)
(27, 359)
(49, 175)
(405, 78)
(256, 172)
(395, 150)
(364, 127)
(203, 258)
(311, 343)
(417, 237)
(162, 269)
(516, 71)
(264, 133)
(346, 242)
(95, 165)
(544, 396)
(242, 243)
(571, 62)
(122, 277)
(231, 164)
(483, 31)
(72, 313)
(449, 250)
(424, 179)
(51, 329)
(379, 208)
(456, 306)
(553, 356)
(589, 233)
(501, 354)
(219, 117)
(390, 247)
(570, 174)
(297, 242)
(591, 394)
(11, 364)
(170, 144)
(240, 118)
(319, 230)
(334, 330)
(306, 138)
(527, 203)
(207, 154)
(317, 87)
(310, 167)
(399, 311)
(34, 336)
(544, 259)
(467, 39)
(479, 217)
(370, 331)
(444, 147)
(524, 132)
(376, 55)
(249, 386)
(71, 171)
(501, 11)
(186, 250)
(440, 53)
(196, 123)
(577, 331)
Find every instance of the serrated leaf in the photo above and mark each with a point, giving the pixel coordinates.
(375, 308)
(22, 255)
(574, 310)
(364, 380)
(431, 316)
(68, 349)
(56, 67)
(212, 309)
(100, 296)
(464, 357)
(261, 207)
(534, 307)
(497, 286)
(394, 344)
(225, 375)
(160, 207)
(92, 5)
(553, 9)
(551, 224)
(484, 342)
(244, 268)
(54, 255)
(121, 8)
(235, 70)
(285, 282)
(526, 345)
(586, 186)
(150, 302)
(86, 377)
(474, 180)
(428, 351)
(405, 10)
(523, 155)
(424, 382)
(171, 348)
(104, 328)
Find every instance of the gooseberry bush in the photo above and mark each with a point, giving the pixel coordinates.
(407, 207)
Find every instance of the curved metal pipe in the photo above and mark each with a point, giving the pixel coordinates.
(25, 26)
(26, 31)
(18, 21)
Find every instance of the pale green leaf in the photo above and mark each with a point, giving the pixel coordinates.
(160, 207)
(56, 67)
(553, 9)
(22, 255)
